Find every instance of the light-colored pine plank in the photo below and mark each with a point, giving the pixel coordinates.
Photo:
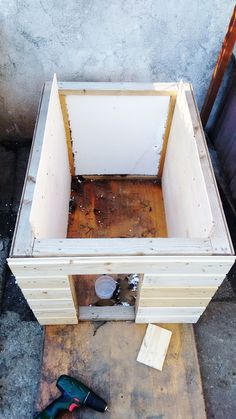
(174, 302)
(23, 237)
(220, 237)
(106, 313)
(117, 246)
(166, 135)
(187, 208)
(156, 318)
(52, 188)
(54, 313)
(183, 280)
(38, 304)
(168, 314)
(125, 264)
(68, 133)
(180, 292)
(57, 320)
(47, 293)
(154, 347)
(51, 282)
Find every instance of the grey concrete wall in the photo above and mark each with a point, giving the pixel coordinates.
(103, 40)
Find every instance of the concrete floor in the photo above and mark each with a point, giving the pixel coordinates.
(22, 337)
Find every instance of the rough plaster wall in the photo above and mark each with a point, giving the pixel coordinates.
(103, 40)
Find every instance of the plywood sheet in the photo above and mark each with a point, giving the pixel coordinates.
(50, 205)
(114, 134)
(116, 208)
(107, 363)
(187, 206)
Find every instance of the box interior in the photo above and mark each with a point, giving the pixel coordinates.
(117, 189)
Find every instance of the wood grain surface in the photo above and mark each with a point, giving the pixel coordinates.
(107, 363)
(116, 208)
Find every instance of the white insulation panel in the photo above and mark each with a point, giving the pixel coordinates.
(117, 134)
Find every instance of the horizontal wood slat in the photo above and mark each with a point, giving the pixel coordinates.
(37, 304)
(58, 320)
(183, 280)
(106, 313)
(51, 282)
(46, 293)
(124, 246)
(177, 292)
(54, 313)
(96, 265)
(174, 302)
(166, 319)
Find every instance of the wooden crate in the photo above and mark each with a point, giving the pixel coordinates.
(144, 199)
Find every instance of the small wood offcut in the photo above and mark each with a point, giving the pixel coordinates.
(119, 182)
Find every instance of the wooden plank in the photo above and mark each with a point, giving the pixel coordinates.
(107, 363)
(219, 70)
(23, 237)
(107, 313)
(51, 282)
(184, 280)
(52, 188)
(47, 293)
(54, 313)
(155, 313)
(174, 302)
(166, 135)
(180, 292)
(110, 88)
(36, 304)
(58, 320)
(156, 318)
(118, 247)
(154, 347)
(220, 237)
(125, 264)
(68, 133)
(105, 141)
(114, 207)
(183, 185)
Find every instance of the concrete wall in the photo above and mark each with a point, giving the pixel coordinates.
(103, 40)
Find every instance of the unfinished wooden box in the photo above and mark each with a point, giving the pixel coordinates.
(143, 200)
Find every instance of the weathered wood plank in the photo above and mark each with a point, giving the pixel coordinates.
(173, 302)
(106, 313)
(107, 363)
(182, 280)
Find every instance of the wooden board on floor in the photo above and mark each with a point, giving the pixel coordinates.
(117, 207)
(107, 363)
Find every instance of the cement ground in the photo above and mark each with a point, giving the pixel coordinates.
(22, 337)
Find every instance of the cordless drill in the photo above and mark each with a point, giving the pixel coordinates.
(74, 394)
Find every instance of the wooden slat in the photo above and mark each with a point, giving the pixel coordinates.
(166, 135)
(54, 313)
(148, 264)
(53, 182)
(180, 292)
(23, 237)
(187, 280)
(57, 320)
(131, 389)
(94, 88)
(156, 318)
(183, 185)
(154, 346)
(38, 304)
(174, 302)
(68, 133)
(47, 293)
(106, 313)
(116, 247)
(51, 282)
(220, 238)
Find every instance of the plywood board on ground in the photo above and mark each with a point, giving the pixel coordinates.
(106, 362)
